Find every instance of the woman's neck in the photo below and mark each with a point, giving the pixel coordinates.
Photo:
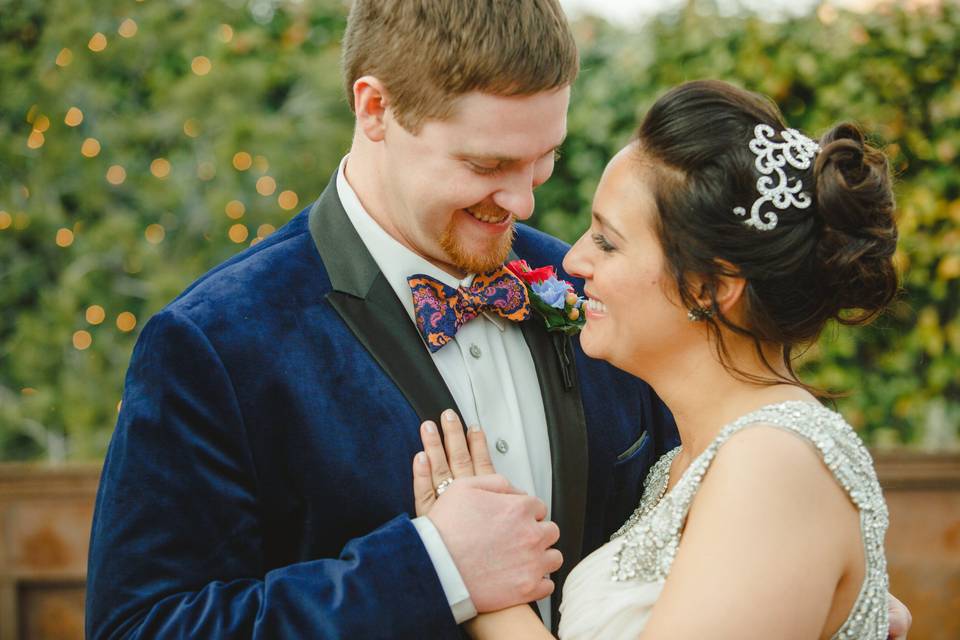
(704, 396)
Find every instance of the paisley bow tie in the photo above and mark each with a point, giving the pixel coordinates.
(441, 310)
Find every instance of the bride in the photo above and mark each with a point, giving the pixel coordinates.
(721, 241)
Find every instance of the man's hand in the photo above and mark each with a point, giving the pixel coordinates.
(900, 618)
(496, 535)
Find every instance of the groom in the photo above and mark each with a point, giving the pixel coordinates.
(258, 481)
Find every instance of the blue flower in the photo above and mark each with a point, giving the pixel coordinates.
(551, 291)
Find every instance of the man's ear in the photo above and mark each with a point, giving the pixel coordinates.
(370, 102)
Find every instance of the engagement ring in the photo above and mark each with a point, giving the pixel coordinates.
(443, 486)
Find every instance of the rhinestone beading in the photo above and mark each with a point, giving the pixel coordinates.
(651, 536)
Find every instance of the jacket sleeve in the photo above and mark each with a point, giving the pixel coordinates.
(176, 544)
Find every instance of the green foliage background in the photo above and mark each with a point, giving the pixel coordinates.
(273, 90)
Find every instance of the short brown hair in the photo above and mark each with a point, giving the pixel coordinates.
(428, 52)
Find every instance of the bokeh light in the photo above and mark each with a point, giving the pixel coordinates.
(64, 237)
(74, 117)
(97, 43)
(287, 200)
(126, 321)
(128, 28)
(266, 185)
(235, 209)
(264, 230)
(5, 220)
(95, 314)
(64, 58)
(160, 168)
(116, 174)
(238, 233)
(242, 161)
(82, 340)
(90, 148)
(201, 65)
(155, 233)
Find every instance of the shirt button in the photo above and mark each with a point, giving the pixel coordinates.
(475, 351)
(502, 445)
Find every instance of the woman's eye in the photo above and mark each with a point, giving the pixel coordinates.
(602, 243)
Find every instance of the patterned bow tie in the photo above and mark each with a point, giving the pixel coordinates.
(441, 310)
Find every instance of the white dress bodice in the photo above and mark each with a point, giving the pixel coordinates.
(611, 593)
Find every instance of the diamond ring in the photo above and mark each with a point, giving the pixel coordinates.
(443, 486)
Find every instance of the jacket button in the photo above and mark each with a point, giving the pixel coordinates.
(502, 445)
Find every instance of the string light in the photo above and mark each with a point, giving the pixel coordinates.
(116, 174)
(201, 65)
(238, 233)
(242, 161)
(90, 148)
(128, 28)
(74, 117)
(266, 186)
(288, 200)
(160, 168)
(64, 237)
(264, 230)
(97, 43)
(64, 58)
(191, 127)
(235, 209)
(36, 140)
(126, 321)
(82, 340)
(155, 233)
(95, 314)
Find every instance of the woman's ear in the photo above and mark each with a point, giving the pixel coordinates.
(370, 100)
(728, 288)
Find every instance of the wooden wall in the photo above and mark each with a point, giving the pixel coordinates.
(45, 518)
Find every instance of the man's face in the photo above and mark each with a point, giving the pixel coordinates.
(453, 191)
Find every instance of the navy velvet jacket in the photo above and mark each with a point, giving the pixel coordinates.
(258, 482)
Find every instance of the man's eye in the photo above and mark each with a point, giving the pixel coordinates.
(602, 243)
(485, 171)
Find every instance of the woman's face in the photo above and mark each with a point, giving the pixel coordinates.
(633, 314)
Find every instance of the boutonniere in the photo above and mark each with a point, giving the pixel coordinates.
(554, 299)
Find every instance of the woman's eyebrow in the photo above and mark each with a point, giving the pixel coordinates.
(606, 223)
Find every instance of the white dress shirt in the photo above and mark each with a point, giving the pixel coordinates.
(491, 375)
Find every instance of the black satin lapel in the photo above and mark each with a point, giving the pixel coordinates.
(382, 325)
(567, 430)
(370, 308)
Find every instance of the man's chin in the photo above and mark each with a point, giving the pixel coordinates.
(478, 259)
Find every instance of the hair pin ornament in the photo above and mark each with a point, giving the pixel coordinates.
(797, 150)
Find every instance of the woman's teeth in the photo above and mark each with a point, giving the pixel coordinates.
(596, 305)
(486, 218)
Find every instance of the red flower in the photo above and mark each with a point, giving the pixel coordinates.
(528, 275)
(518, 266)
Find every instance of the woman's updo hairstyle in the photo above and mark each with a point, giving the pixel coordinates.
(832, 260)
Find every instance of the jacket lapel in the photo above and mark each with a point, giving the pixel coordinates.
(370, 308)
(567, 430)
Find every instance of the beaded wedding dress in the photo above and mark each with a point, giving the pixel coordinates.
(611, 593)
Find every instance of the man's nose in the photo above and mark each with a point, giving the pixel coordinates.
(516, 194)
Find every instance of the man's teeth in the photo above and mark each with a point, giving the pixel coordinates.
(487, 219)
(596, 305)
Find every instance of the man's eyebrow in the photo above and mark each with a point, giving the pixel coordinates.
(606, 223)
(504, 159)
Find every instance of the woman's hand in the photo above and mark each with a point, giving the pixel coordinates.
(443, 461)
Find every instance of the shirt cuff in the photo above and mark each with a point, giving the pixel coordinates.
(453, 587)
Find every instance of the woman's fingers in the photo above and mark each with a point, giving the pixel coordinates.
(423, 493)
(477, 443)
(458, 455)
(433, 447)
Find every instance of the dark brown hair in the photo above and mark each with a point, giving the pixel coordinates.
(830, 261)
(429, 52)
